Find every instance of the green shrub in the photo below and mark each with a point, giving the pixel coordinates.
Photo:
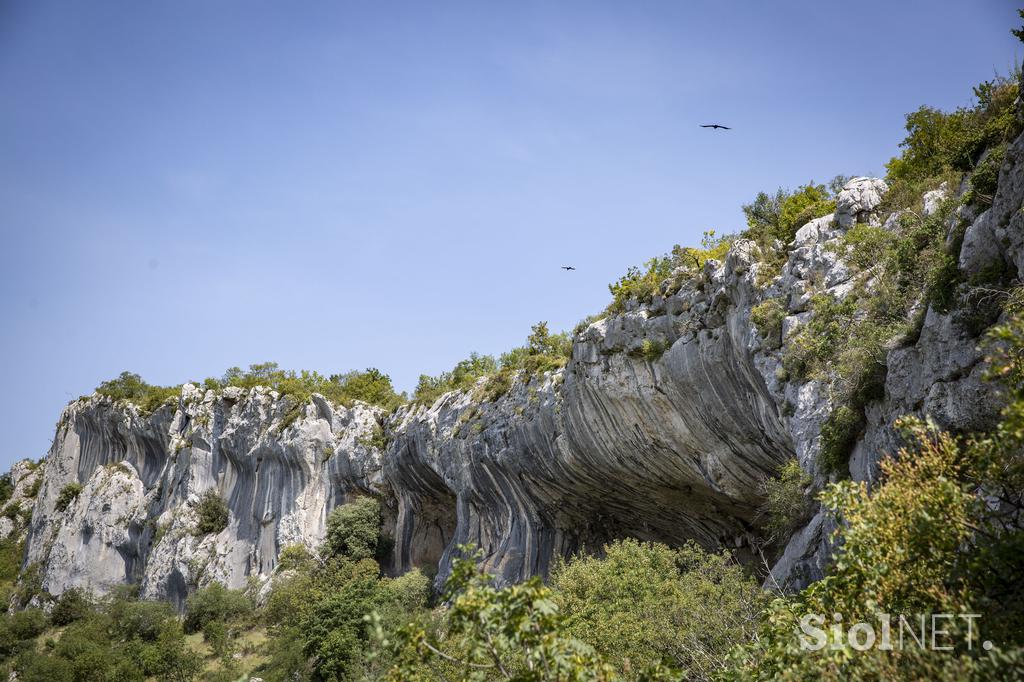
(372, 386)
(294, 558)
(650, 350)
(937, 141)
(67, 495)
(12, 511)
(462, 376)
(985, 177)
(543, 352)
(839, 434)
(582, 325)
(6, 489)
(33, 490)
(773, 220)
(488, 633)
(215, 603)
(642, 604)
(642, 284)
(213, 513)
(353, 530)
(653, 350)
(72, 605)
(131, 388)
(767, 316)
(133, 619)
(787, 502)
(777, 217)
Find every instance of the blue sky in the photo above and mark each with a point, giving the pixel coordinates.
(190, 185)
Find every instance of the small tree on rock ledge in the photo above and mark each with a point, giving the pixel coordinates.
(213, 513)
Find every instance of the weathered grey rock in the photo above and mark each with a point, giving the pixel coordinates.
(143, 475)
(857, 201)
(24, 475)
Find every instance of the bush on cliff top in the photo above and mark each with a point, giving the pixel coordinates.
(462, 376)
(371, 386)
(643, 283)
(131, 388)
(544, 352)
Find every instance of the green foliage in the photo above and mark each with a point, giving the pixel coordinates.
(6, 489)
(463, 376)
(645, 604)
(294, 558)
(213, 513)
(640, 283)
(120, 639)
(353, 530)
(926, 539)
(651, 350)
(215, 603)
(33, 490)
(17, 630)
(839, 434)
(67, 495)
(13, 511)
(985, 177)
(513, 633)
(71, 606)
(846, 342)
(582, 325)
(543, 352)
(787, 503)
(767, 316)
(317, 616)
(773, 220)
(372, 386)
(11, 553)
(656, 275)
(129, 387)
(937, 141)
(777, 217)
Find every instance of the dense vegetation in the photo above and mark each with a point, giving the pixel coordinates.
(543, 352)
(371, 386)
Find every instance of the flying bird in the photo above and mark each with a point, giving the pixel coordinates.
(715, 125)
(568, 267)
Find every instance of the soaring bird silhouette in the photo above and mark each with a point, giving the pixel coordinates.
(568, 267)
(716, 126)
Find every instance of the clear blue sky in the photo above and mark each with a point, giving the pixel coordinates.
(190, 185)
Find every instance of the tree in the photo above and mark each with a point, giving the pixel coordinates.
(644, 603)
(353, 530)
(512, 633)
(213, 513)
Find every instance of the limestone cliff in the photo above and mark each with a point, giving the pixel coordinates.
(669, 445)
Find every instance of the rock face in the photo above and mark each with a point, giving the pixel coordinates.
(25, 477)
(663, 426)
(142, 477)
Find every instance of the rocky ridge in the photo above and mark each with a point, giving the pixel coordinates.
(670, 445)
